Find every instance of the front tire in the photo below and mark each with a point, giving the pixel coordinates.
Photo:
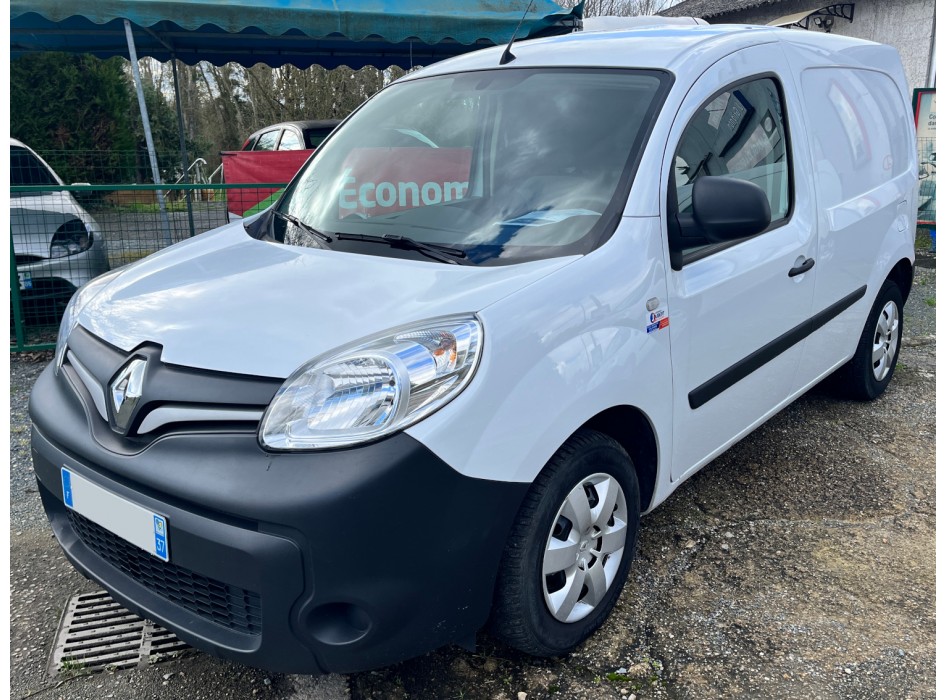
(869, 372)
(570, 548)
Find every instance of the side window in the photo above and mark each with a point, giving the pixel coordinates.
(739, 133)
(290, 141)
(267, 141)
(25, 169)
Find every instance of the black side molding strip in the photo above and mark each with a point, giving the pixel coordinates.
(752, 362)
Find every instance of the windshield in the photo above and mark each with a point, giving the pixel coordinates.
(25, 169)
(503, 165)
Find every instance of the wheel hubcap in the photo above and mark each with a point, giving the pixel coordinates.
(885, 345)
(585, 547)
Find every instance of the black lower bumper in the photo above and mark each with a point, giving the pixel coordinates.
(335, 561)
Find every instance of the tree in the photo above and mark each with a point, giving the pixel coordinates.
(622, 8)
(76, 103)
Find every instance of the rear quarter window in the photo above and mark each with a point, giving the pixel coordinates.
(26, 169)
(267, 141)
(859, 130)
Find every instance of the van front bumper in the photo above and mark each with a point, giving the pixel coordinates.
(308, 562)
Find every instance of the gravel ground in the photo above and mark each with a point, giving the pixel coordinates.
(798, 564)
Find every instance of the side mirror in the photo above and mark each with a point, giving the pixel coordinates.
(726, 209)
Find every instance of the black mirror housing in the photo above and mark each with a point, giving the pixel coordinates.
(727, 209)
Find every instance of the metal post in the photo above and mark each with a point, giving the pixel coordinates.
(184, 164)
(146, 123)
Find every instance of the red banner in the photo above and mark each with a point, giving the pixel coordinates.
(258, 166)
(379, 181)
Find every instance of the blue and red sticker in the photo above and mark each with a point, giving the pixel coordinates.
(658, 320)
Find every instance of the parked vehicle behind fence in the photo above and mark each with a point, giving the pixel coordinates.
(508, 307)
(273, 154)
(290, 136)
(58, 246)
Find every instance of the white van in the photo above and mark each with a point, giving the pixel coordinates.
(501, 312)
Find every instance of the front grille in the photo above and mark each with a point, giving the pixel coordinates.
(174, 397)
(233, 607)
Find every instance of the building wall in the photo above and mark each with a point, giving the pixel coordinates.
(908, 25)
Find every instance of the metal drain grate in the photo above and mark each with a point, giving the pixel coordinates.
(96, 634)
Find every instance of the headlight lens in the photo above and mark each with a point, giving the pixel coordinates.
(72, 237)
(364, 392)
(70, 317)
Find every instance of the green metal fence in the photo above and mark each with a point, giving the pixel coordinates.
(63, 236)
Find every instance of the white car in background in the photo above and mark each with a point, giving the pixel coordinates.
(57, 244)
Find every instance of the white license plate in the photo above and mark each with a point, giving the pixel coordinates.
(139, 526)
(26, 280)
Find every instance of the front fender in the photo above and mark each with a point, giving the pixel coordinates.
(557, 353)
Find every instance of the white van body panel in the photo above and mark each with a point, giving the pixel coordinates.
(559, 352)
(269, 308)
(866, 203)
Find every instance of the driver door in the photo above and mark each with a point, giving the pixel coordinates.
(736, 310)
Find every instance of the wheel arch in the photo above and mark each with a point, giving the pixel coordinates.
(632, 429)
(902, 274)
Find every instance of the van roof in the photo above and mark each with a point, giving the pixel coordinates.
(671, 47)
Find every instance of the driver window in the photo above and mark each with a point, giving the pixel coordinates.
(738, 133)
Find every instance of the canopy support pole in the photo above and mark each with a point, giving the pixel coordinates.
(146, 123)
(184, 163)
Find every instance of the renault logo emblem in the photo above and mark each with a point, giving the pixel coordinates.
(125, 391)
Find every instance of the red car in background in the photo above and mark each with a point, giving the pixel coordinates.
(272, 155)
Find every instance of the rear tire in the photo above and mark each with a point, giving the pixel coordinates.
(869, 372)
(570, 547)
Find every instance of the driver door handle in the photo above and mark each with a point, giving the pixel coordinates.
(804, 266)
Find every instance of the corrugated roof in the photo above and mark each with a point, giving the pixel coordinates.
(302, 32)
(705, 9)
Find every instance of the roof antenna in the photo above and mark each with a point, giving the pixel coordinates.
(507, 54)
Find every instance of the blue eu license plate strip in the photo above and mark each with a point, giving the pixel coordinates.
(133, 523)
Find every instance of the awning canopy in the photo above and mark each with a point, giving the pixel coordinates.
(792, 19)
(329, 33)
(823, 17)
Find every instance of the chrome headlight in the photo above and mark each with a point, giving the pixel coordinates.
(364, 392)
(70, 317)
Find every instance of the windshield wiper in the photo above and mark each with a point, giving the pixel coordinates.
(304, 226)
(432, 250)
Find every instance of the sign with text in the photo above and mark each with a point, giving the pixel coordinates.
(379, 181)
(925, 119)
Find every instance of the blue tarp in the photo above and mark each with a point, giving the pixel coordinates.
(330, 33)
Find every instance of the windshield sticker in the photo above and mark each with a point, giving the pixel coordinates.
(378, 181)
(549, 216)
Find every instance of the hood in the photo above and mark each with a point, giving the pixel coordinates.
(224, 301)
